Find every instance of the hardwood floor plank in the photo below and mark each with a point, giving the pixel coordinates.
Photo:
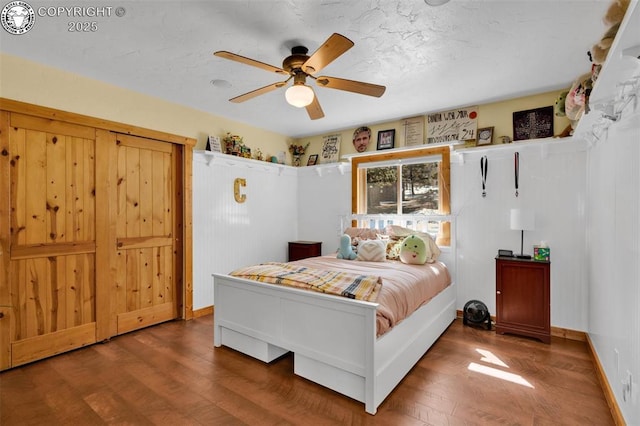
(170, 374)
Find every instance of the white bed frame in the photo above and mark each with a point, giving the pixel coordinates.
(333, 338)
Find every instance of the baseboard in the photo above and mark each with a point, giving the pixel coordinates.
(606, 388)
(564, 333)
(567, 333)
(203, 312)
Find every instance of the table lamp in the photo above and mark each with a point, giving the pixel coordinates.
(522, 220)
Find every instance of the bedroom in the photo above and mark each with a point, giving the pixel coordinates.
(583, 298)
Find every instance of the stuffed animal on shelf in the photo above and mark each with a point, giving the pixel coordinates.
(559, 110)
(612, 19)
(577, 98)
(413, 251)
(600, 50)
(346, 249)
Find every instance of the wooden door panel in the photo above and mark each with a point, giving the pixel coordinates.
(91, 230)
(145, 317)
(145, 261)
(38, 347)
(51, 268)
(51, 294)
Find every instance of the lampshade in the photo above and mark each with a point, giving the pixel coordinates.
(522, 220)
(435, 2)
(299, 95)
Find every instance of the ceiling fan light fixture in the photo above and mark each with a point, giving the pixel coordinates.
(299, 95)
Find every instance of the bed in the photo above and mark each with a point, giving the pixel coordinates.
(336, 341)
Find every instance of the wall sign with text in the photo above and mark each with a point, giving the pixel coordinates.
(330, 148)
(455, 125)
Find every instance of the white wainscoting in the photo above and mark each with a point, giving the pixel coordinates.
(614, 257)
(228, 234)
(551, 184)
(285, 203)
(324, 196)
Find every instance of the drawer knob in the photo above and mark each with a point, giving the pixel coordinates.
(498, 292)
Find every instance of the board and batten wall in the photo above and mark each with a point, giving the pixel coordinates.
(552, 185)
(307, 204)
(228, 234)
(613, 256)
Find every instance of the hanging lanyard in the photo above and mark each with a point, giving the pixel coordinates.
(516, 159)
(484, 169)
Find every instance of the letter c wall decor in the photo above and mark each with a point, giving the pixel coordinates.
(237, 183)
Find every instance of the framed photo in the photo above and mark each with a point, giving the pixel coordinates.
(413, 131)
(213, 144)
(485, 136)
(533, 123)
(313, 159)
(330, 148)
(386, 138)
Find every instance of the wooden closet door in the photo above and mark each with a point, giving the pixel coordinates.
(146, 291)
(48, 237)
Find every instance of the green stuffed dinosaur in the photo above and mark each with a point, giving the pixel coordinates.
(413, 251)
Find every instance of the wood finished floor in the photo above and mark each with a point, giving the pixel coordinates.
(170, 374)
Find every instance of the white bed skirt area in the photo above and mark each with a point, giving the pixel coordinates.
(333, 338)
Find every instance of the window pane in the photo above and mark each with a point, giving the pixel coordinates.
(382, 190)
(420, 192)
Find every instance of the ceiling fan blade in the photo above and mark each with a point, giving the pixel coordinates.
(249, 61)
(313, 109)
(258, 92)
(335, 46)
(351, 86)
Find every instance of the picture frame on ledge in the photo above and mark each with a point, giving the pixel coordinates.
(386, 139)
(213, 144)
(313, 159)
(485, 136)
(534, 123)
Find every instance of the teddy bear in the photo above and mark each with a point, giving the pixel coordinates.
(346, 249)
(612, 19)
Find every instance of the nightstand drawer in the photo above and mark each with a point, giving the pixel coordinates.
(303, 249)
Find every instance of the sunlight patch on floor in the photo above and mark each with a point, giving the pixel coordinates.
(489, 358)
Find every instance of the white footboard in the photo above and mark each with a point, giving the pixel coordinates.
(333, 338)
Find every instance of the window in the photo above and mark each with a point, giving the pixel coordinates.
(412, 182)
(402, 189)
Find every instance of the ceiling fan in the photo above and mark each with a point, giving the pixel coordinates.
(298, 66)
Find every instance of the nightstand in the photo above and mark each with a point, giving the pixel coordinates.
(303, 249)
(523, 301)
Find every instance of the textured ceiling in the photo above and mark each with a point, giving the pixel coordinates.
(462, 53)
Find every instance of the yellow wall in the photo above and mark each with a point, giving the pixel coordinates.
(30, 82)
(35, 83)
(496, 114)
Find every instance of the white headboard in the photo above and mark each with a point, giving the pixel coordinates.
(423, 223)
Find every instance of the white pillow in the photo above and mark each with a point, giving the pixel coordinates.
(372, 250)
